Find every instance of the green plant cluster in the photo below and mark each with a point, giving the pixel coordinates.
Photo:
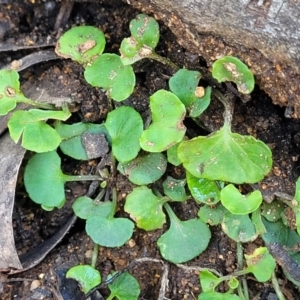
(215, 164)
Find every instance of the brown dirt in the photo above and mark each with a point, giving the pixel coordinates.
(31, 23)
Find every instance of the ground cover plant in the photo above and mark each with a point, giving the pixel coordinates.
(141, 149)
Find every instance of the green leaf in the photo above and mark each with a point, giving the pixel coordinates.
(226, 156)
(193, 233)
(38, 136)
(229, 68)
(200, 104)
(108, 72)
(272, 211)
(208, 281)
(175, 189)
(212, 215)
(125, 127)
(217, 296)
(109, 232)
(145, 208)
(44, 180)
(144, 38)
(172, 155)
(296, 205)
(87, 276)
(203, 190)
(233, 283)
(258, 223)
(239, 228)
(85, 208)
(167, 128)
(125, 287)
(261, 264)
(83, 141)
(144, 169)
(239, 204)
(10, 92)
(82, 44)
(183, 84)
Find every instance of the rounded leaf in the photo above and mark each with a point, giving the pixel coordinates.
(226, 156)
(108, 72)
(44, 180)
(145, 169)
(229, 68)
(175, 189)
(84, 208)
(82, 44)
(167, 127)
(145, 208)
(87, 276)
(109, 232)
(125, 127)
(239, 204)
(239, 228)
(212, 215)
(193, 233)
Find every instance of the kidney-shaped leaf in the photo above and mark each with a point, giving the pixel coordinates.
(86, 275)
(108, 71)
(261, 264)
(109, 232)
(125, 127)
(239, 204)
(81, 43)
(167, 128)
(38, 136)
(144, 169)
(124, 287)
(226, 156)
(229, 68)
(44, 180)
(145, 208)
(10, 92)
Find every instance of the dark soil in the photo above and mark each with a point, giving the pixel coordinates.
(27, 27)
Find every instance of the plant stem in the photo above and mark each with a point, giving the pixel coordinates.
(170, 212)
(163, 60)
(37, 104)
(277, 287)
(82, 178)
(114, 203)
(239, 254)
(100, 196)
(95, 255)
(228, 105)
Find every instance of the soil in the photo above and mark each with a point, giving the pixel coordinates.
(29, 26)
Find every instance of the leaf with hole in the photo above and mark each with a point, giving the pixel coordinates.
(108, 72)
(212, 215)
(239, 227)
(82, 44)
(85, 208)
(83, 141)
(193, 233)
(144, 38)
(44, 180)
(124, 287)
(109, 232)
(239, 204)
(144, 169)
(203, 190)
(87, 276)
(145, 208)
(125, 127)
(167, 127)
(37, 136)
(261, 264)
(175, 189)
(226, 156)
(10, 93)
(229, 68)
